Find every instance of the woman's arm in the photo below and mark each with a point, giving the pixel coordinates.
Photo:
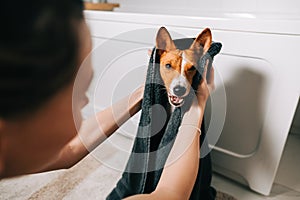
(96, 129)
(180, 172)
(182, 165)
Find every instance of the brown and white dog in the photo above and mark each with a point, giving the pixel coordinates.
(177, 67)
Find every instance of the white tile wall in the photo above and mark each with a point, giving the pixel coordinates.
(252, 6)
(281, 6)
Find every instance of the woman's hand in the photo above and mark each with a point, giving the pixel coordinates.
(135, 98)
(206, 86)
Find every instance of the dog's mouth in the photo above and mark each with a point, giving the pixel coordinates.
(176, 101)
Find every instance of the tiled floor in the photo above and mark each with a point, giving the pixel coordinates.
(287, 181)
(241, 192)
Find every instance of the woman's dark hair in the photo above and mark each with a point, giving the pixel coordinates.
(38, 51)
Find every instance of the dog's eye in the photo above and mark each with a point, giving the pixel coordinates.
(192, 68)
(168, 66)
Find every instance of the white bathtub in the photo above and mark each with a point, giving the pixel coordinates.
(258, 65)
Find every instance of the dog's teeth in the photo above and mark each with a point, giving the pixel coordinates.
(176, 101)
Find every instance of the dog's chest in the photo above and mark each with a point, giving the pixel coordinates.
(172, 109)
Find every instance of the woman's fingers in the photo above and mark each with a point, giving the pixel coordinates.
(206, 85)
(211, 80)
(205, 70)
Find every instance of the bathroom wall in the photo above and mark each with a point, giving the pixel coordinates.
(290, 7)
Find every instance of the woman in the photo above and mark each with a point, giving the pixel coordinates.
(39, 59)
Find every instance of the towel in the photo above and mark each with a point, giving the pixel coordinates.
(157, 132)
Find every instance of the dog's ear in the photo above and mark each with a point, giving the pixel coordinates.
(202, 43)
(164, 41)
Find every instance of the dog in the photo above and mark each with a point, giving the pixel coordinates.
(178, 67)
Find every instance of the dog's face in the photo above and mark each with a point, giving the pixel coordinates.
(177, 67)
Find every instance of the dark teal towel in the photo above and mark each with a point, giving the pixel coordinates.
(155, 137)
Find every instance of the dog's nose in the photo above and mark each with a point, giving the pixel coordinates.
(179, 90)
